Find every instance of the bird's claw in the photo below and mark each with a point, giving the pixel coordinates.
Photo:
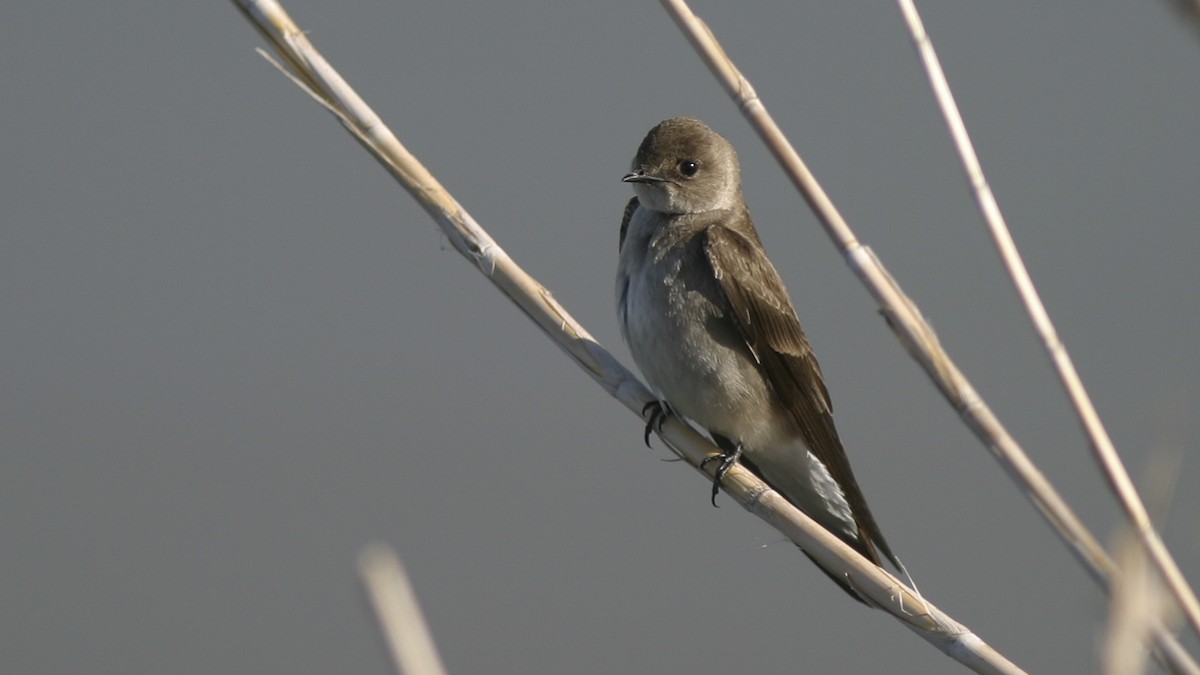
(655, 413)
(727, 459)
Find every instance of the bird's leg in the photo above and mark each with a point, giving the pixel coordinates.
(730, 454)
(655, 413)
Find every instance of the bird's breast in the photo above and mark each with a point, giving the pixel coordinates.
(675, 321)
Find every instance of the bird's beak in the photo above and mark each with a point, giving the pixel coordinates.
(640, 176)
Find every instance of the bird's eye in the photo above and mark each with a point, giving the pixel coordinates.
(689, 167)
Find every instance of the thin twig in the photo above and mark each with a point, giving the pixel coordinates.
(905, 319)
(470, 240)
(1099, 440)
(400, 618)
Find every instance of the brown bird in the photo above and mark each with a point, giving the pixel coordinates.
(709, 323)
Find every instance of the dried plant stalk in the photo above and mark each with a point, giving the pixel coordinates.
(310, 71)
(1101, 444)
(399, 615)
(905, 320)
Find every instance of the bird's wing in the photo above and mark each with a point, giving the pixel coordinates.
(768, 324)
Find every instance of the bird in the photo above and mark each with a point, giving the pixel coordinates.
(710, 325)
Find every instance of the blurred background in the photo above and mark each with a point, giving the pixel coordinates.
(235, 352)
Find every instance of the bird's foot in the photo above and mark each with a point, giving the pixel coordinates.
(727, 459)
(655, 413)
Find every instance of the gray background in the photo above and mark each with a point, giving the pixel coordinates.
(234, 352)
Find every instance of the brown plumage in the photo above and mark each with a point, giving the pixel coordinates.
(710, 324)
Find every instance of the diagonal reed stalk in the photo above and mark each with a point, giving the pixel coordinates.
(387, 586)
(1101, 444)
(311, 72)
(910, 327)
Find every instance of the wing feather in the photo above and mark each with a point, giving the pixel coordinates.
(768, 323)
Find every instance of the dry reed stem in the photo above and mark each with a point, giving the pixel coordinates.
(310, 71)
(906, 322)
(1099, 440)
(398, 612)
